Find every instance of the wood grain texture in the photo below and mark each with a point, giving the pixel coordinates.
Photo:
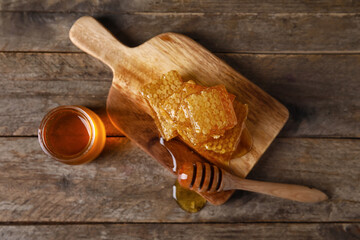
(229, 32)
(135, 67)
(47, 67)
(347, 231)
(126, 185)
(321, 92)
(20, 104)
(262, 6)
(311, 86)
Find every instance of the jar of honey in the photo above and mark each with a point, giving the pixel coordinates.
(72, 134)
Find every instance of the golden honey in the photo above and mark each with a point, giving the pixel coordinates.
(172, 104)
(188, 200)
(211, 113)
(72, 134)
(208, 119)
(156, 92)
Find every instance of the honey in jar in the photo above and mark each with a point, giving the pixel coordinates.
(72, 134)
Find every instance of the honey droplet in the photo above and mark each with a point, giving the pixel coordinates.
(188, 200)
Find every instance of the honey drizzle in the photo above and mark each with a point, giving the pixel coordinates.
(189, 200)
(169, 97)
(162, 142)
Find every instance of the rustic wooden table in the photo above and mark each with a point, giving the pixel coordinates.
(307, 55)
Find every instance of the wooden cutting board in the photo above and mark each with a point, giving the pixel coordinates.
(134, 67)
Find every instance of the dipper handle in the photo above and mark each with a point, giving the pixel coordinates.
(203, 177)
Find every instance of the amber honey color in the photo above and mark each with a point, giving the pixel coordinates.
(68, 133)
(72, 134)
(208, 119)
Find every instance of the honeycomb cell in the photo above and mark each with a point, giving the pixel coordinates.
(165, 125)
(207, 119)
(184, 128)
(182, 118)
(157, 91)
(211, 113)
(172, 103)
(230, 140)
(219, 151)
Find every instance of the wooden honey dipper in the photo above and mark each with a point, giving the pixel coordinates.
(203, 177)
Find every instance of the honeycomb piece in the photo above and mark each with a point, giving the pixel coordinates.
(155, 93)
(229, 142)
(219, 159)
(165, 125)
(172, 103)
(184, 125)
(182, 118)
(211, 113)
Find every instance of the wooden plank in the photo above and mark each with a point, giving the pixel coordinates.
(333, 231)
(34, 83)
(320, 91)
(262, 6)
(126, 185)
(52, 67)
(311, 86)
(229, 32)
(29, 104)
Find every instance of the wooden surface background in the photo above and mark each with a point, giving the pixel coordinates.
(304, 53)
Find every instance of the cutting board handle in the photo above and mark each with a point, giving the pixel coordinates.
(93, 38)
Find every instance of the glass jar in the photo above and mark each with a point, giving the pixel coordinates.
(72, 134)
